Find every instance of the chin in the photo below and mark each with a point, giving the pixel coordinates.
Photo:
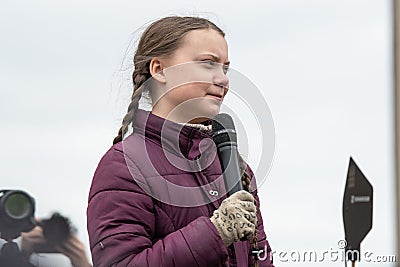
(211, 111)
(198, 111)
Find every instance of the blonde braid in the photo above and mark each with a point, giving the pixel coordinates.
(138, 81)
(246, 182)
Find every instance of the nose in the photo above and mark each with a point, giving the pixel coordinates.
(222, 80)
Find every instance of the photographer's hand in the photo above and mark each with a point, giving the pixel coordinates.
(32, 240)
(35, 242)
(75, 251)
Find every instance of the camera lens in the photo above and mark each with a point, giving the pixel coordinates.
(17, 206)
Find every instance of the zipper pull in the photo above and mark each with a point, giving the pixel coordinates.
(197, 160)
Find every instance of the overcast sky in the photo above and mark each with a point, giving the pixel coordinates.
(323, 67)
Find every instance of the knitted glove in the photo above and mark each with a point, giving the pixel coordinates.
(236, 217)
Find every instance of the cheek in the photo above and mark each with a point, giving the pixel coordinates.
(189, 91)
(187, 74)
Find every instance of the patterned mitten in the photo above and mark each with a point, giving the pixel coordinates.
(236, 217)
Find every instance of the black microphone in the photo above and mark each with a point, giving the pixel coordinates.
(225, 138)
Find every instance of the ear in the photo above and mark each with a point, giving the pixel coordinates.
(157, 70)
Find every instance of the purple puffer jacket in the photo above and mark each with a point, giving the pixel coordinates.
(152, 197)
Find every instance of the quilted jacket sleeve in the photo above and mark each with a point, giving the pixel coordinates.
(121, 225)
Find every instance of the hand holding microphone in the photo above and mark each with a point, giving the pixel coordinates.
(236, 217)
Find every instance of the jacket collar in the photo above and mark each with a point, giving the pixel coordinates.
(175, 137)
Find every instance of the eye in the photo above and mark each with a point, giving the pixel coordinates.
(209, 62)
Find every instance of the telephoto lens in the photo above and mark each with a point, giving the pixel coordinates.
(17, 210)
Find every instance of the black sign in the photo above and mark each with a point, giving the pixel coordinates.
(357, 210)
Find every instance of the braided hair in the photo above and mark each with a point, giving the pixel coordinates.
(246, 182)
(161, 39)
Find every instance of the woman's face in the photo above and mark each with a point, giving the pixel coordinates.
(194, 79)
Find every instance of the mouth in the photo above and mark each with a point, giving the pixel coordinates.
(217, 97)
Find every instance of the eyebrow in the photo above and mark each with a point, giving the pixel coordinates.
(215, 58)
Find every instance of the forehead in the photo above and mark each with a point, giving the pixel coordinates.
(197, 42)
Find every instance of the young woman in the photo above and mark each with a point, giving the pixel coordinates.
(157, 197)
